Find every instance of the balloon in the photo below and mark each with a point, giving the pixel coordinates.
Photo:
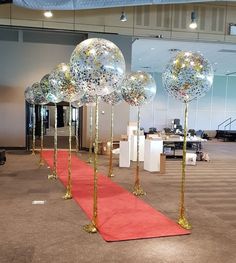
(138, 88)
(113, 98)
(85, 100)
(187, 76)
(51, 93)
(29, 95)
(77, 104)
(88, 100)
(39, 97)
(60, 80)
(97, 66)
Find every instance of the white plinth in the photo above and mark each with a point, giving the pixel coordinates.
(133, 147)
(124, 158)
(131, 128)
(153, 150)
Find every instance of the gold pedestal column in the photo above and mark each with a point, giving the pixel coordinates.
(138, 190)
(92, 227)
(90, 134)
(54, 171)
(182, 219)
(68, 194)
(110, 172)
(41, 162)
(33, 130)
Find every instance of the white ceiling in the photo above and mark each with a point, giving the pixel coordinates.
(153, 54)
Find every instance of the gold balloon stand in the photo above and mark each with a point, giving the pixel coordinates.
(92, 227)
(68, 194)
(90, 133)
(41, 162)
(110, 172)
(138, 190)
(182, 219)
(33, 130)
(54, 171)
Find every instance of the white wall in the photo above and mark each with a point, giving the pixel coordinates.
(22, 64)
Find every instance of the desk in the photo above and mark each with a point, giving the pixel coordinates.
(171, 145)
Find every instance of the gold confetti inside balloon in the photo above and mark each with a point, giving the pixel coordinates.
(88, 100)
(187, 76)
(77, 104)
(85, 100)
(29, 95)
(52, 93)
(97, 66)
(138, 88)
(113, 98)
(60, 80)
(39, 97)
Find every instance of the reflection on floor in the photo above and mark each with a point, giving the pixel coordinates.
(62, 131)
(62, 140)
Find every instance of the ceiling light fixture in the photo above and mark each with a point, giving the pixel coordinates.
(48, 14)
(123, 17)
(193, 24)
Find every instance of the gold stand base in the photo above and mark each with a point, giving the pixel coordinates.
(90, 228)
(68, 195)
(52, 176)
(89, 161)
(183, 222)
(111, 175)
(138, 191)
(41, 163)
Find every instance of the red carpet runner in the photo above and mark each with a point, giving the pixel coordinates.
(121, 216)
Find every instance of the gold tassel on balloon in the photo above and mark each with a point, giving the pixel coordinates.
(54, 171)
(113, 99)
(41, 162)
(138, 89)
(182, 219)
(104, 76)
(92, 227)
(68, 194)
(110, 172)
(138, 190)
(61, 82)
(90, 134)
(33, 130)
(76, 131)
(187, 76)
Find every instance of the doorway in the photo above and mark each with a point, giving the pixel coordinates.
(49, 124)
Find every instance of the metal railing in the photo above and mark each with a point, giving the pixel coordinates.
(229, 119)
(229, 124)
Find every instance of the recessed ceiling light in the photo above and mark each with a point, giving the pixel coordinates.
(152, 48)
(193, 24)
(48, 13)
(123, 17)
